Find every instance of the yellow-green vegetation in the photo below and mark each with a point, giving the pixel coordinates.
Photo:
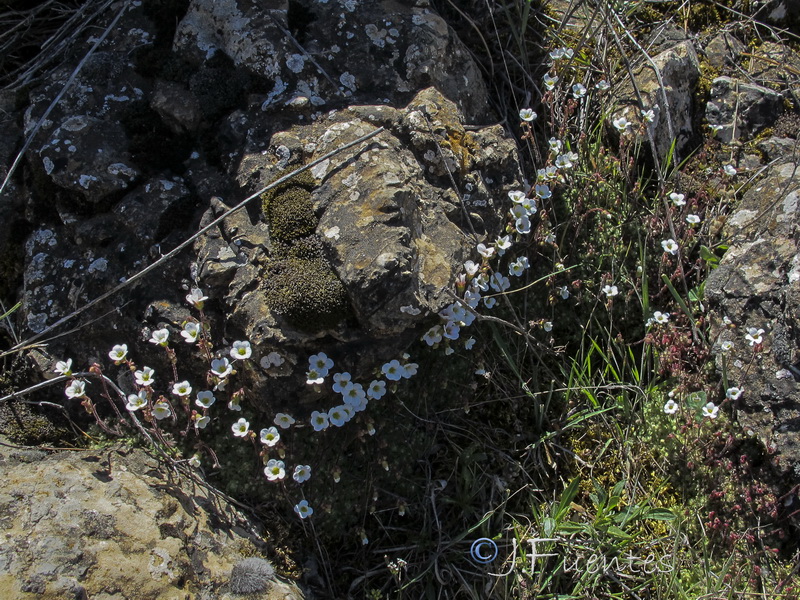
(299, 283)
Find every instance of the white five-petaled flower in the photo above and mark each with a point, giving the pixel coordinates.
(320, 363)
(579, 90)
(303, 510)
(144, 376)
(469, 343)
(610, 290)
(241, 428)
(671, 407)
(194, 461)
(270, 436)
(484, 251)
(137, 401)
(196, 298)
(555, 145)
(523, 224)
(301, 473)
(201, 421)
(733, 393)
(726, 346)
(677, 199)
(692, 219)
(283, 420)
(313, 377)
(660, 317)
(235, 404)
(502, 243)
(754, 335)
(275, 470)
(241, 350)
(64, 367)
(376, 389)
(729, 170)
(649, 115)
(273, 359)
(339, 415)
(550, 81)
(319, 420)
(118, 352)
(159, 337)
(621, 123)
(191, 330)
(205, 399)
(542, 191)
(526, 114)
(563, 291)
(433, 335)
(670, 246)
(710, 410)
(221, 367)
(76, 389)
(182, 388)
(161, 410)
(393, 370)
(340, 381)
(409, 370)
(516, 196)
(602, 85)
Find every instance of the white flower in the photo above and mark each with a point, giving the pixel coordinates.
(161, 410)
(579, 90)
(563, 291)
(376, 389)
(499, 282)
(234, 405)
(469, 344)
(314, 378)
(516, 196)
(610, 290)
(201, 421)
(726, 346)
(353, 393)
(275, 470)
(602, 85)
(729, 170)
(502, 244)
(555, 145)
(221, 367)
(270, 436)
(76, 389)
(320, 363)
(517, 268)
(557, 53)
(671, 407)
(523, 225)
(754, 335)
(433, 335)
(471, 268)
(649, 115)
(301, 473)
(693, 219)
(564, 161)
(488, 303)
(338, 415)
(484, 251)
(526, 114)
(144, 376)
(303, 510)
(319, 420)
(733, 393)
(196, 298)
(410, 310)
(241, 428)
(273, 359)
(677, 199)
(182, 388)
(241, 350)
(283, 420)
(205, 399)
(660, 317)
(542, 191)
(548, 326)
(670, 246)
(136, 401)
(710, 411)
(393, 370)
(340, 381)
(159, 337)
(194, 461)
(451, 331)
(191, 330)
(621, 123)
(409, 370)
(118, 352)
(550, 81)
(64, 367)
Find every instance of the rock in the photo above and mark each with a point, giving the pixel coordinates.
(741, 109)
(665, 84)
(179, 109)
(757, 284)
(116, 524)
(724, 50)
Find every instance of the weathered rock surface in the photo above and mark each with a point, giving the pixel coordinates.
(741, 109)
(116, 525)
(724, 50)
(757, 284)
(665, 84)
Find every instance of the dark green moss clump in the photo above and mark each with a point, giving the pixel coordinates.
(300, 285)
(306, 292)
